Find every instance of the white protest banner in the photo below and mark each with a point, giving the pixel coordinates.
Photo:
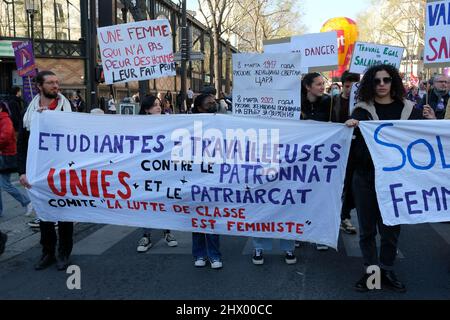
(266, 71)
(204, 173)
(136, 51)
(366, 55)
(437, 34)
(353, 100)
(276, 104)
(412, 169)
(319, 51)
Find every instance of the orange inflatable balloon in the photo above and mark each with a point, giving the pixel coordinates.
(347, 33)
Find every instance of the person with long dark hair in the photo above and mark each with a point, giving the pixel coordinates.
(151, 105)
(382, 97)
(316, 105)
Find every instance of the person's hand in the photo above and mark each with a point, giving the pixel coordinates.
(352, 123)
(40, 109)
(24, 181)
(428, 112)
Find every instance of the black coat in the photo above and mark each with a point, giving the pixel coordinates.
(16, 107)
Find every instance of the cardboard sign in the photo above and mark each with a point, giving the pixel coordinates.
(366, 55)
(437, 34)
(319, 51)
(136, 51)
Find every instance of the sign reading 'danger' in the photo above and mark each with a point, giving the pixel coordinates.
(136, 51)
(412, 169)
(199, 173)
(319, 51)
(437, 34)
(366, 55)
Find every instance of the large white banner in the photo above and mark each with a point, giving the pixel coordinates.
(366, 55)
(437, 33)
(267, 85)
(412, 169)
(204, 173)
(136, 51)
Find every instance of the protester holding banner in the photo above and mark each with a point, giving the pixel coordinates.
(341, 108)
(151, 105)
(206, 246)
(47, 99)
(382, 97)
(438, 97)
(316, 105)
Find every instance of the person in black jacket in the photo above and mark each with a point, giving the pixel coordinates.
(316, 105)
(16, 107)
(438, 97)
(382, 97)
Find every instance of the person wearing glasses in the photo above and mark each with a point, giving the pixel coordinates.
(438, 97)
(382, 97)
(48, 98)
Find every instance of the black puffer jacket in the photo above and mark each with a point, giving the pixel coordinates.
(318, 110)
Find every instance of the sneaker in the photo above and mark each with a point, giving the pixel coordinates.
(347, 226)
(389, 280)
(290, 258)
(258, 258)
(321, 247)
(34, 223)
(200, 262)
(3, 239)
(30, 210)
(170, 239)
(45, 261)
(216, 264)
(144, 244)
(297, 244)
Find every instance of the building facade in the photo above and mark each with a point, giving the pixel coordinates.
(61, 40)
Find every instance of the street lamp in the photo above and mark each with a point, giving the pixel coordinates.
(31, 9)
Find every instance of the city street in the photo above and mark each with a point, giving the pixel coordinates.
(112, 269)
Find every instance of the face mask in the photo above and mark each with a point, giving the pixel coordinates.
(335, 92)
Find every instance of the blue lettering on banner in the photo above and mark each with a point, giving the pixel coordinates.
(408, 154)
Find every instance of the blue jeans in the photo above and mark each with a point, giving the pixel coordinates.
(206, 246)
(5, 184)
(266, 244)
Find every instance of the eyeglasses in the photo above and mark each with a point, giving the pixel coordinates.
(386, 80)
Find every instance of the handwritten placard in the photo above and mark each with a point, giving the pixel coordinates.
(366, 55)
(437, 34)
(277, 104)
(136, 51)
(271, 71)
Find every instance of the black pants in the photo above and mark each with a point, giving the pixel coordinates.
(48, 238)
(347, 195)
(369, 218)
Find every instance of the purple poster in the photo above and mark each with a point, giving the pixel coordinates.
(23, 52)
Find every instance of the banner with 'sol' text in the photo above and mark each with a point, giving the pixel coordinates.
(412, 169)
(136, 51)
(202, 173)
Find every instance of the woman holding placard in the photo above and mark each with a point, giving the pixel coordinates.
(151, 105)
(382, 97)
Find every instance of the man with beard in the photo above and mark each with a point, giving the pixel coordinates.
(438, 97)
(48, 99)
